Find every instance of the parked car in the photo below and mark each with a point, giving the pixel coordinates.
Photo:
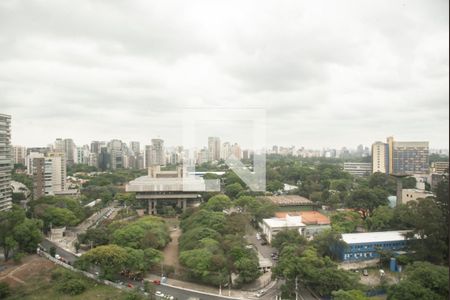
(260, 293)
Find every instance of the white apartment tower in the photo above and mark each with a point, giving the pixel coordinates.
(5, 162)
(214, 148)
(380, 158)
(19, 154)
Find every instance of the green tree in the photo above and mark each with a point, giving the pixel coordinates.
(97, 236)
(204, 218)
(18, 233)
(381, 220)
(248, 269)
(287, 237)
(345, 221)
(366, 200)
(147, 232)
(111, 259)
(429, 276)
(218, 203)
(259, 209)
(233, 190)
(275, 186)
(319, 273)
(28, 234)
(328, 242)
(384, 182)
(429, 227)
(407, 290)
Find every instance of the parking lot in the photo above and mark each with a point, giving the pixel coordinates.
(265, 250)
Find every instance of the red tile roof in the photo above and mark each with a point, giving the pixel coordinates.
(308, 217)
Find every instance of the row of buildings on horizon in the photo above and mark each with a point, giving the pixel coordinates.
(48, 165)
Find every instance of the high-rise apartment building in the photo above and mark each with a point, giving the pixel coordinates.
(410, 158)
(29, 161)
(403, 158)
(225, 151)
(380, 157)
(155, 154)
(19, 154)
(49, 175)
(5, 162)
(214, 148)
(59, 171)
(236, 151)
(38, 172)
(59, 145)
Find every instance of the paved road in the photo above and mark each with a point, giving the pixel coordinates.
(181, 294)
(63, 253)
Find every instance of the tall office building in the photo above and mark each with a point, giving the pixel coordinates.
(5, 162)
(70, 151)
(154, 153)
(214, 148)
(95, 147)
(135, 147)
(19, 154)
(116, 152)
(402, 158)
(103, 160)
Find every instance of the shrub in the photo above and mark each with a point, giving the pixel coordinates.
(5, 290)
(52, 251)
(71, 287)
(18, 257)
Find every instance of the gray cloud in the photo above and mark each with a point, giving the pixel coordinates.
(328, 74)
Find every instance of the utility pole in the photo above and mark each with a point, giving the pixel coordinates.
(296, 287)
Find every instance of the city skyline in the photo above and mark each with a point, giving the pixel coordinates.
(205, 144)
(372, 70)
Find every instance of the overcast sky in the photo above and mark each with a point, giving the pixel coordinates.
(328, 73)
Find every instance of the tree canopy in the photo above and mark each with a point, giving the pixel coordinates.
(18, 233)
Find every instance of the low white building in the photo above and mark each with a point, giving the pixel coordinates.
(270, 227)
(414, 194)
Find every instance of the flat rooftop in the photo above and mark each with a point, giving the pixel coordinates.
(291, 222)
(374, 237)
(289, 200)
(308, 217)
(151, 184)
